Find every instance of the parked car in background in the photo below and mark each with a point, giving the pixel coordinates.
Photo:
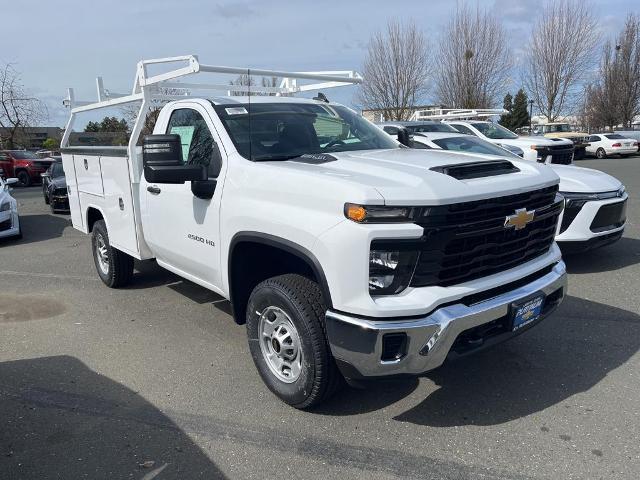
(633, 134)
(24, 165)
(415, 127)
(604, 144)
(47, 153)
(563, 130)
(54, 187)
(9, 220)
(595, 203)
(543, 150)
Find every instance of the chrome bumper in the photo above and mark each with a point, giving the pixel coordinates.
(357, 343)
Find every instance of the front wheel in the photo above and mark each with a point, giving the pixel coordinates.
(114, 267)
(24, 179)
(600, 153)
(287, 340)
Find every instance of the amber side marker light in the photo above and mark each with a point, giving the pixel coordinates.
(357, 213)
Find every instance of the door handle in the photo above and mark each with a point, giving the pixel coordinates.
(153, 189)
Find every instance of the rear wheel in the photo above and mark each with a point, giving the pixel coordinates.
(285, 326)
(114, 267)
(24, 179)
(600, 153)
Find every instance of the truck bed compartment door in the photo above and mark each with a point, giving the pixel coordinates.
(88, 174)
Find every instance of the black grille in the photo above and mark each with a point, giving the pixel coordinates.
(469, 240)
(609, 217)
(6, 225)
(560, 154)
(42, 164)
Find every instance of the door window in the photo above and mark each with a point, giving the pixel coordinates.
(463, 129)
(198, 145)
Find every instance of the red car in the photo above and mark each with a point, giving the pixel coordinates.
(24, 165)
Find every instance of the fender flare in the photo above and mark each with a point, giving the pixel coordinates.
(288, 246)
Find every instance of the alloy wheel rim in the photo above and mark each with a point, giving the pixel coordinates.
(102, 254)
(280, 344)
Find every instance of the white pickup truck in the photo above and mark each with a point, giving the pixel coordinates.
(346, 254)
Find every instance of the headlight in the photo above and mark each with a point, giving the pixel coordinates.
(5, 207)
(390, 269)
(577, 200)
(377, 213)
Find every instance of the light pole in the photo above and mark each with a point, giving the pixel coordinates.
(530, 117)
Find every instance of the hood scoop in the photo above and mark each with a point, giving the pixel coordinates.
(467, 171)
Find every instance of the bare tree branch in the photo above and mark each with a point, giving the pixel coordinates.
(474, 60)
(18, 110)
(395, 70)
(561, 51)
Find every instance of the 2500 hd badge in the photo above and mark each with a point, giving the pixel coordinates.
(206, 241)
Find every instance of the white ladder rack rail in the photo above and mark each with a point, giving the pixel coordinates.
(456, 113)
(164, 87)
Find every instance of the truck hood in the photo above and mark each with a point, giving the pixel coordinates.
(403, 176)
(585, 180)
(573, 179)
(526, 142)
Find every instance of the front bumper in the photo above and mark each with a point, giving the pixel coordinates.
(9, 224)
(357, 343)
(581, 227)
(60, 202)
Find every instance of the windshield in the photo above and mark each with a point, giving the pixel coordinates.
(280, 131)
(494, 131)
(563, 127)
(431, 127)
(470, 144)
(24, 155)
(56, 170)
(614, 136)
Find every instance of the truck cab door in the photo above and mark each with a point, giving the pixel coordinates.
(182, 229)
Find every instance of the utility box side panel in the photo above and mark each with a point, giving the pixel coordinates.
(119, 208)
(68, 166)
(88, 174)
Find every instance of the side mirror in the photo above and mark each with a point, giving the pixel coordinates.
(403, 137)
(45, 175)
(162, 161)
(11, 181)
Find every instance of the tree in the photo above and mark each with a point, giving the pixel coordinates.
(18, 109)
(627, 70)
(395, 70)
(561, 51)
(473, 59)
(51, 144)
(520, 112)
(108, 124)
(603, 95)
(506, 118)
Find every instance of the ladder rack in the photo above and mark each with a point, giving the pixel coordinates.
(456, 113)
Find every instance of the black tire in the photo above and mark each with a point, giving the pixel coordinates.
(600, 153)
(50, 203)
(19, 235)
(24, 179)
(118, 265)
(302, 301)
(46, 198)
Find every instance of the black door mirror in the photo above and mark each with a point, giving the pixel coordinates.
(162, 161)
(403, 137)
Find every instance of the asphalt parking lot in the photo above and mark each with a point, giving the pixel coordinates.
(155, 380)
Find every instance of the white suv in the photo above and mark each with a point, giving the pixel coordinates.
(540, 149)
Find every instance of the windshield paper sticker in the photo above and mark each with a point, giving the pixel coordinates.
(235, 110)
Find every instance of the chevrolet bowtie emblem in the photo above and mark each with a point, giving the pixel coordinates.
(520, 219)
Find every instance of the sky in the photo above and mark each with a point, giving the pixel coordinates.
(56, 44)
